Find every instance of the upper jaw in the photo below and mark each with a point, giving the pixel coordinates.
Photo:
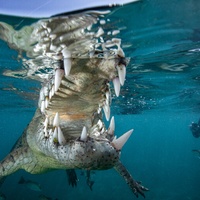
(84, 89)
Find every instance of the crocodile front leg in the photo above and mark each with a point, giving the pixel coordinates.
(20, 158)
(135, 186)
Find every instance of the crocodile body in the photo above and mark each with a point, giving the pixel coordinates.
(67, 130)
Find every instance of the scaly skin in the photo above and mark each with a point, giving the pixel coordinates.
(55, 137)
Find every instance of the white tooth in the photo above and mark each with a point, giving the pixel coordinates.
(50, 94)
(108, 95)
(46, 122)
(108, 99)
(120, 52)
(53, 36)
(55, 135)
(67, 66)
(83, 134)
(46, 91)
(46, 102)
(56, 121)
(121, 73)
(52, 90)
(111, 128)
(106, 109)
(119, 143)
(116, 85)
(99, 32)
(99, 110)
(42, 106)
(107, 102)
(61, 138)
(53, 48)
(58, 77)
(99, 123)
(67, 61)
(66, 53)
(102, 130)
(46, 133)
(42, 94)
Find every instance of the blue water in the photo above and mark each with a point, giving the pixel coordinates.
(159, 100)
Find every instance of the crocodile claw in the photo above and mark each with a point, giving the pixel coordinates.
(139, 189)
(135, 186)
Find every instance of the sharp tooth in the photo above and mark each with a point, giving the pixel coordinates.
(99, 123)
(67, 66)
(46, 102)
(120, 52)
(46, 91)
(56, 120)
(108, 100)
(46, 122)
(42, 106)
(116, 85)
(83, 134)
(119, 143)
(111, 128)
(99, 110)
(121, 73)
(67, 61)
(52, 90)
(53, 36)
(99, 32)
(58, 77)
(108, 95)
(50, 94)
(55, 135)
(42, 94)
(106, 109)
(102, 130)
(46, 133)
(66, 53)
(61, 138)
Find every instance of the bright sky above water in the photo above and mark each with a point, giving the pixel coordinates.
(46, 8)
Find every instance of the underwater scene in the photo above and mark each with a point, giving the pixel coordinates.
(101, 103)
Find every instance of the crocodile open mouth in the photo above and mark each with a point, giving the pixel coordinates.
(76, 62)
(72, 104)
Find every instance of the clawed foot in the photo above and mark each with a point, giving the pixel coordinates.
(135, 186)
(72, 177)
(139, 189)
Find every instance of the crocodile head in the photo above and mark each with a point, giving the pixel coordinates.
(69, 126)
(68, 130)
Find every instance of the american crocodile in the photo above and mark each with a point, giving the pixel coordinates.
(68, 130)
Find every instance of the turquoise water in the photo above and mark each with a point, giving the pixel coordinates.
(159, 100)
